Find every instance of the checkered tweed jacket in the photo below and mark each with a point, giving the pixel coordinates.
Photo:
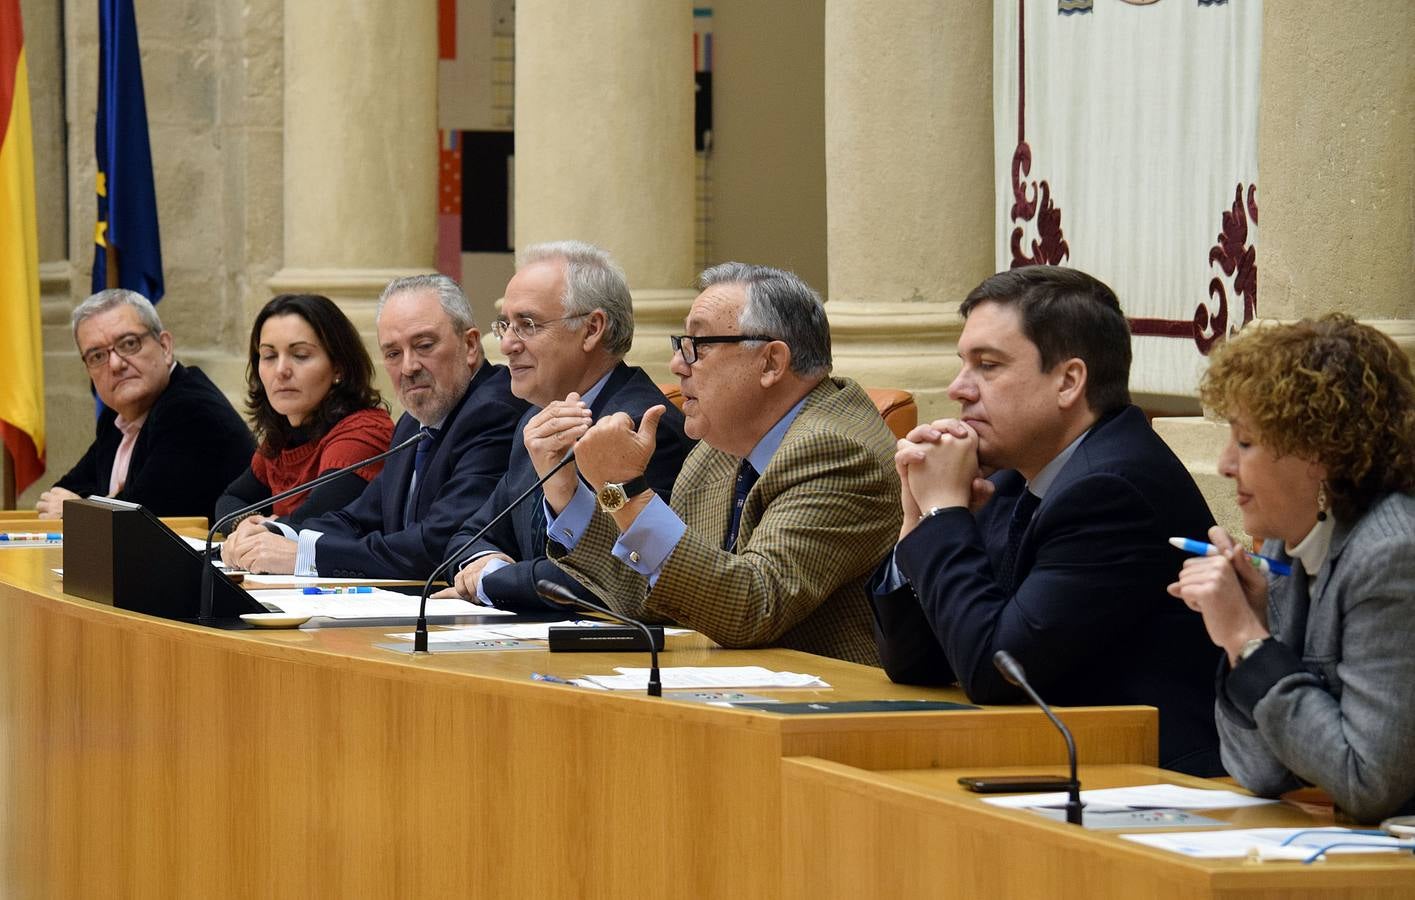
(814, 526)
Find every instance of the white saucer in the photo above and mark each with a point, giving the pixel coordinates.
(274, 620)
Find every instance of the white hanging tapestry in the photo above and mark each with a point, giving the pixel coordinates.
(1126, 143)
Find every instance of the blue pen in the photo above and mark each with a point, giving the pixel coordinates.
(551, 679)
(340, 590)
(1263, 563)
(17, 536)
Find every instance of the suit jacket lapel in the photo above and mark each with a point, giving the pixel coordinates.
(396, 473)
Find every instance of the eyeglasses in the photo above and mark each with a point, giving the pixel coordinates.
(126, 346)
(688, 344)
(525, 327)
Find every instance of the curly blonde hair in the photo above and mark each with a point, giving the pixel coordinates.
(1329, 390)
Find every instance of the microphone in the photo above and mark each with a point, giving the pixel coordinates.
(558, 594)
(207, 586)
(420, 630)
(1011, 669)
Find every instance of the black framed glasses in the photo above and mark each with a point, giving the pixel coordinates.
(524, 327)
(688, 344)
(126, 346)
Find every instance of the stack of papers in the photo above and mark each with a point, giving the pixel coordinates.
(1264, 843)
(1144, 796)
(688, 677)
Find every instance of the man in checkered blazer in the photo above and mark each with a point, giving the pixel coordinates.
(782, 510)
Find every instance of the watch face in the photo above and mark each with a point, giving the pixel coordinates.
(611, 497)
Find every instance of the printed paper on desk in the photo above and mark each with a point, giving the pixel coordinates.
(380, 604)
(686, 677)
(1262, 842)
(1144, 796)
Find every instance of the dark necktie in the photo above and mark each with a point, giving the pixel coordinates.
(746, 477)
(420, 457)
(1021, 517)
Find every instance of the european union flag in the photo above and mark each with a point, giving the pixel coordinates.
(126, 232)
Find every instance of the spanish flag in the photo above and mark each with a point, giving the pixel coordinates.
(21, 348)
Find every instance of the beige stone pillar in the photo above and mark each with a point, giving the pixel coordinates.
(909, 169)
(1335, 186)
(360, 150)
(604, 146)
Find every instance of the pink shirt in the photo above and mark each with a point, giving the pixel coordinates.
(124, 456)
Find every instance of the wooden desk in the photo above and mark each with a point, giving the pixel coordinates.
(144, 757)
(193, 525)
(853, 833)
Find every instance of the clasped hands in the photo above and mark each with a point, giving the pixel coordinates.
(255, 548)
(938, 468)
(1228, 591)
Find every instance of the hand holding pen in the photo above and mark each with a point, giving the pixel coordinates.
(1228, 590)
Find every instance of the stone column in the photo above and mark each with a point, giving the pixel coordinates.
(1335, 186)
(360, 150)
(604, 146)
(909, 170)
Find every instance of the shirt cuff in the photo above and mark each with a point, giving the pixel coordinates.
(304, 552)
(567, 528)
(492, 565)
(888, 579)
(646, 545)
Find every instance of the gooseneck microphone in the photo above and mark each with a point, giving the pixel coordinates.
(420, 630)
(1011, 669)
(558, 594)
(208, 586)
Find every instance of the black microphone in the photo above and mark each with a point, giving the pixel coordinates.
(207, 585)
(420, 630)
(558, 594)
(1011, 669)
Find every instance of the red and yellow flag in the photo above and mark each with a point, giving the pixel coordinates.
(21, 348)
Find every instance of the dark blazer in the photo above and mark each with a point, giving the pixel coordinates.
(191, 446)
(370, 538)
(1090, 620)
(628, 390)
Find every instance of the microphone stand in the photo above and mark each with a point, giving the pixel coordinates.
(420, 630)
(554, 592)
(207, 573)
(1011, 669)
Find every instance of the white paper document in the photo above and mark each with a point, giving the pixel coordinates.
(379, 604)
(681, 677)
(1144, 796)
(521, 631)
(1264, 843)
(260, 581)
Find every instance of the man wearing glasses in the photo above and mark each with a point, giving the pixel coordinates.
(782, 509)
(566, 323)
(167, 438)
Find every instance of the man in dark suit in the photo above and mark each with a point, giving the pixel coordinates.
(167, 438)
(566, 323)
(1060, 556)
(400, 525)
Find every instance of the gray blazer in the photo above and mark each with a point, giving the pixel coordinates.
(1341, 715)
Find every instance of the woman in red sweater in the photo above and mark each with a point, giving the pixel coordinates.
(313, 408)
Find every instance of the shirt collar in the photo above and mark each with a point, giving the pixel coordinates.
(130, 428)
(1312, 550)
(591, 395)
(766, 447)
(1042, 482)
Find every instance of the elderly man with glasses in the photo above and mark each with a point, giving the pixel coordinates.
(566, 323)
(780, 512)
(166, 438)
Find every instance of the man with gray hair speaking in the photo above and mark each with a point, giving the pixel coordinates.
(782, 509)
(167, 438)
